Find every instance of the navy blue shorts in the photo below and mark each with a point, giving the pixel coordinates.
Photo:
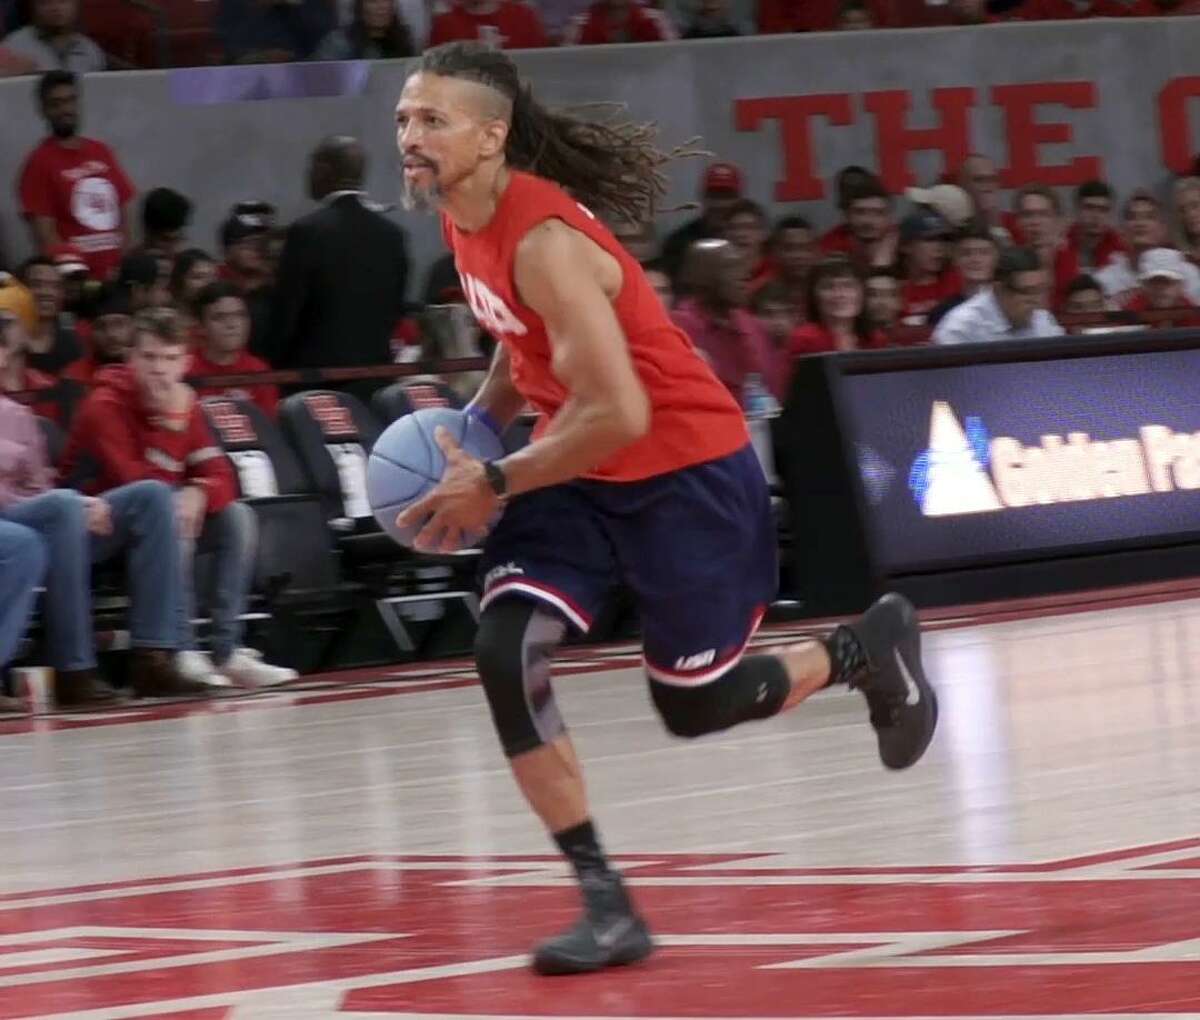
(697, 547)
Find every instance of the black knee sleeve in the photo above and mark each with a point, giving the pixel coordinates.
(513, 648)
(755, 688)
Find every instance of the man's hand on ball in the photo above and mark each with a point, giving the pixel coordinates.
(462, 504)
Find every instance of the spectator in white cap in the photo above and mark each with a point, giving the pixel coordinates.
(949, 201)
(1144, 228)
(1014, 308)
(1161, 273)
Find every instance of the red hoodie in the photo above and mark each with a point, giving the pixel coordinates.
(128, 442)
(640, 24)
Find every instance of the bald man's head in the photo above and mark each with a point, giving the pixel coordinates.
(715, 272)
(338, 163)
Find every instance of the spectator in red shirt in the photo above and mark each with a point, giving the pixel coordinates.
(1084, 296)
(141, 277)
(194, 270)
(884, 299)
(714, 315)
(975, 256)
(774, 309)
(1039, 226)
(969, 12)
(776, 16)
(1072, 10)
(838, 306)
(746, 229)
(225, 321)
(979, 179)
(1091, 240)
(868, 233)
(854, 16)
(1161, 274)
(245, 241)
(1187, 215)
(144, 422)
(792, 252)
(112, 336)
(711, 21)
(619, 21)
(72, 188)
(925, 244)
(720, 189)
(165, 218)
(505, 24)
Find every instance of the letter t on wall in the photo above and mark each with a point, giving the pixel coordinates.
(800, 181)
(894, 140)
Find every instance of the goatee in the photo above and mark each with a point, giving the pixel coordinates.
(422, 199)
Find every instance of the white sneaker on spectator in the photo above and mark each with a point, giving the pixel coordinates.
(247, 669)
(199, 667)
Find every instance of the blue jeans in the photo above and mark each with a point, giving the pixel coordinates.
(229, 540)
(143, 527)
(22, 566)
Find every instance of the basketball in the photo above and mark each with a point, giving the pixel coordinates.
(406, 462)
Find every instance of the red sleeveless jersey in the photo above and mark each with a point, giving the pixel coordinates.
(693, 417)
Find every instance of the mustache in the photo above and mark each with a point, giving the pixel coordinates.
(421, 161)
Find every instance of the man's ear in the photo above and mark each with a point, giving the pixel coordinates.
(495, 138)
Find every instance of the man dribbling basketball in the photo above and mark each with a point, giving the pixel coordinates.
(640, 470)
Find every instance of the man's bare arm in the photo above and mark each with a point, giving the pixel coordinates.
(561, 275)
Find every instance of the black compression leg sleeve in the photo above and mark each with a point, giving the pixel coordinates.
(516, 640)
(755, 688)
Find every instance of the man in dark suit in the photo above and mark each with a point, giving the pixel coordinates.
(342, 274)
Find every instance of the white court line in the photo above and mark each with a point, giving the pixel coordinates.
(277, 943)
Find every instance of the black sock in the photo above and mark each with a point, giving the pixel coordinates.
(847, 657)
(581, 847)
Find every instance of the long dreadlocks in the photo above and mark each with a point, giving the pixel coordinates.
(612, 166)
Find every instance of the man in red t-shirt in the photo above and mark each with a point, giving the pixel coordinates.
(225, 321)
(72, 188)
(619, 21)
(868, 233)
(505, 24)
(640, 469)
(928, 279)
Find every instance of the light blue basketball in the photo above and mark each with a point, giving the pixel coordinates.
(406, 463)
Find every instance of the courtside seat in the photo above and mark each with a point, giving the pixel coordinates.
(409, 395)
(296, 570)
(333, 433)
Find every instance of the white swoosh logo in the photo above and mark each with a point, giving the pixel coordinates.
(607, 938)
(914, 692)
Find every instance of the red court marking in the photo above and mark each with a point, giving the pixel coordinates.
(1076, 945)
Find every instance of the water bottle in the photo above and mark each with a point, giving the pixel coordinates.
(756, 398)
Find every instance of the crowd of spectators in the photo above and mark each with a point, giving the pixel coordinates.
(121, 321)
(45, 35)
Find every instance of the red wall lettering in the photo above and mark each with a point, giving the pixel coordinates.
(1174, 131)
(800, 182)
(1025, 133)
(894, 140)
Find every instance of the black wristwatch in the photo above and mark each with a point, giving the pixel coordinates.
(494, 474)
